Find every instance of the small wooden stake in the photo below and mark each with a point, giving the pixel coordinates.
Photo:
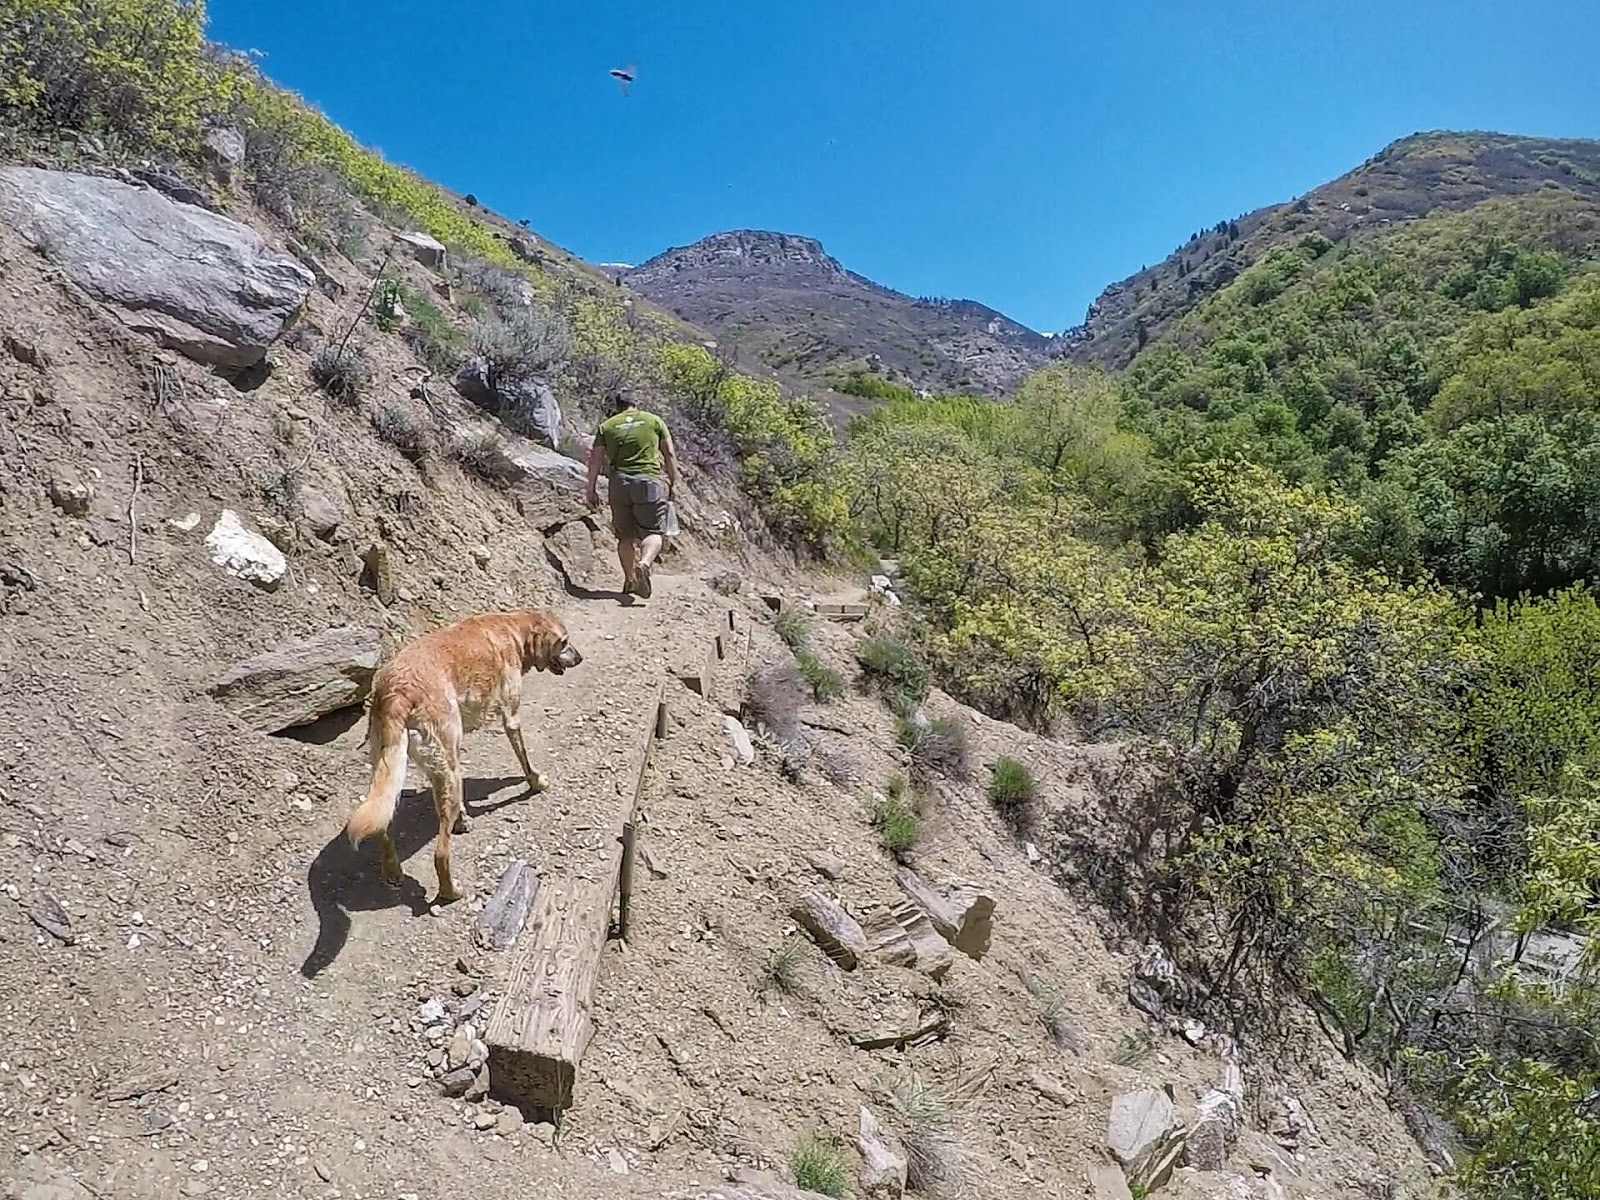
(661, 721)
(625, 882)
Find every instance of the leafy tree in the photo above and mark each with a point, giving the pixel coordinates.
(1511, 505)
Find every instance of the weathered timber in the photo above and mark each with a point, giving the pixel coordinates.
(737, 650)
(903, 935)
(930, 1028)
(833, 929)
(702, 678)
(842, 612)
(543, 1021)
(962, 915)
(506, 912)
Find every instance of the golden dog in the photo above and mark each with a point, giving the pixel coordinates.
(443, 685)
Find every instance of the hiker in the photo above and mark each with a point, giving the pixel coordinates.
(642, 471)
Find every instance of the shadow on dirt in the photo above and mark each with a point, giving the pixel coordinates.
(343, 880)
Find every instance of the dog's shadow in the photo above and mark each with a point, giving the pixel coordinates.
(343, 880)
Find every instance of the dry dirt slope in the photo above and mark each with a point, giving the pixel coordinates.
(272, 1003)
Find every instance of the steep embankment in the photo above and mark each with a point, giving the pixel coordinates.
(785, 302)
(1417, 175)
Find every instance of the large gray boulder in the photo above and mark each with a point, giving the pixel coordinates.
(527, 406)
(296, 683)
(198, 282)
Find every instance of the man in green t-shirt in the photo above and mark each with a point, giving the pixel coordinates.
(642, 473)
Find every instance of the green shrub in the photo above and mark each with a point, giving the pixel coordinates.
(400, 425)
(386, 305)
(521, 345)
(793, 629)
(482, 453)
(893, 666)
(430, 335)
(819, 1166)
(132, 71)
(1012, 790)
(341, 372)
(938, 746)
(826, 684)
(782, 967)
(896, 819)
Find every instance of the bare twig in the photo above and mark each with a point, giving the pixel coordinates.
(371, 291)
(133, 509)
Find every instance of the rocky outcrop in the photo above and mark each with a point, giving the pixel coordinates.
(883, 1169)
(224, 150)
(427, 250)
(835, 931)
(527, 405)
(195, 281)
(296, 683)
(1143, 1136)
(963, 916)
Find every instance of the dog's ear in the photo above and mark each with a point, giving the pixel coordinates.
(546, 639)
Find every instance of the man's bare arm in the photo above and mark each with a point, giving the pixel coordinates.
(669, 461)
(597, 458)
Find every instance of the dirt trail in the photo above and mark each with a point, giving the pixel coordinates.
(266, 1003)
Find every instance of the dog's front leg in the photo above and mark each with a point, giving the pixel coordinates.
(511, 718)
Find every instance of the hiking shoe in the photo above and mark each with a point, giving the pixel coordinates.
(641, 585)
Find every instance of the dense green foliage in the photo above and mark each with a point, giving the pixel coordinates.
(1326, 550)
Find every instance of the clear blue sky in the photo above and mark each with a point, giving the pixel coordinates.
(1021, 152)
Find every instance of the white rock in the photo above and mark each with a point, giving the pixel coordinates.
(740, 737)
(619, 1165)
(1140, 1122)
(884, 1172)
(243, 554)
(185, 524)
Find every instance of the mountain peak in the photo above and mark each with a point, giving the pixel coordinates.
(786, 301)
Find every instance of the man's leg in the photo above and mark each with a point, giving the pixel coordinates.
(628, 556)
(648, 549)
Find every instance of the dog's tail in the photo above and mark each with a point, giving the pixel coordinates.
(386, 730)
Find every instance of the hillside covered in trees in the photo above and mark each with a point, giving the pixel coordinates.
(1442, 171)
(1328, 548)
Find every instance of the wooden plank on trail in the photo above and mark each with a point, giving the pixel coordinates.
(735, 670)
(542, 1023)
(842, 612)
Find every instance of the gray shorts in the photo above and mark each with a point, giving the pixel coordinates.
(638, 505)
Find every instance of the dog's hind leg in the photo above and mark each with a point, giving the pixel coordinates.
(511, 719)
(446, 781)
(389, 868)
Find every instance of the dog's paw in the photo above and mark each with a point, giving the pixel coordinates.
(540, 782)
(463, 824)
(391, 874)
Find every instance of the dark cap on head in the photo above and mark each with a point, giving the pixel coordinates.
(619, 399)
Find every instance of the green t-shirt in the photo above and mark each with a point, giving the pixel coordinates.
(632, 441)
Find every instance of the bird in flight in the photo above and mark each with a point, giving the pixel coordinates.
(624, 76)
